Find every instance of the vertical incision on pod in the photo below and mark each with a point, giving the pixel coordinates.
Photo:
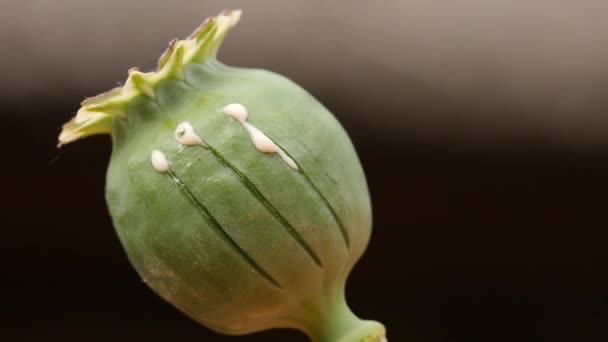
(162, 165)
(185, 135)
(264, 144)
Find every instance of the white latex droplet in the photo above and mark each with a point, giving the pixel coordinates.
(185, 135)
(159, 161)
(260, 140)
(237, 111)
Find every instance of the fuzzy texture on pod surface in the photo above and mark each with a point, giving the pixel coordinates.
(245, 220)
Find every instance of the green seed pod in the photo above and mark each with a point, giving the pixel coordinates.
(238, 197)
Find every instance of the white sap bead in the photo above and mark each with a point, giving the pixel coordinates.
(185, 135)
(260, 140)
(159, 161)
(237, 111)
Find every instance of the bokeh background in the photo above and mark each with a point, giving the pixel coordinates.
(482, 127)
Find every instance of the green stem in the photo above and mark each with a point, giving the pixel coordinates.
(339, 324)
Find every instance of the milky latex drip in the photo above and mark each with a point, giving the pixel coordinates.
(185, 135)
(259, 139)
(159, 161)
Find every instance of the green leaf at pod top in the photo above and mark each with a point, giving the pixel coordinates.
(237, 196)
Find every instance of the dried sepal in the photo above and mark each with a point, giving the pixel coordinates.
(84, 124)
(94, 117)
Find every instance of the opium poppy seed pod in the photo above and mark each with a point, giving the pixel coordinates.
(237, 196)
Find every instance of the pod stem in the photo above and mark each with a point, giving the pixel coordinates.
(339, 324)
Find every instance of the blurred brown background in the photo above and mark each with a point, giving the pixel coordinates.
(482, 127)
